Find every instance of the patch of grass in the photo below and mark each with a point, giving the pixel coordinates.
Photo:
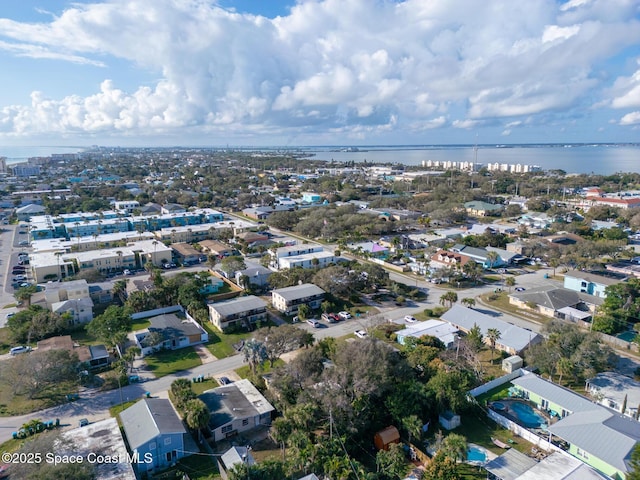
(12, 445)
(221, 344)
(140, 324)
(117, 409)
(5, 340)
(11, 404)
(471, 472)
(198, 467)
(83, 337)
(478, 428)
(171, 361)
(207, 384)
(245, 371)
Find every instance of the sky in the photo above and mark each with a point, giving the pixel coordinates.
(318, 72)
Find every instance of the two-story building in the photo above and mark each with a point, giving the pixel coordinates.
(591, 283)
(154, 433)
(242, 311)
(287, 300)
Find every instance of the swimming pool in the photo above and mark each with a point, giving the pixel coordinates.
(476, 454)
(499, 406)
(527, 416)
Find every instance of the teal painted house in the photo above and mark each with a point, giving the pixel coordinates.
(596, 435)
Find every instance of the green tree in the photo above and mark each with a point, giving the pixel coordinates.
(634, 464)
(492, 258)
(493, 334)
(304, 311)
(412, 426)
(392, 463)
(449, 298)
(254, 354)
(110, 326)
(468, 302)
(510, 282)
(475, 339)
(454, 446)
(441, 467)
(230, 265)
(197, 414)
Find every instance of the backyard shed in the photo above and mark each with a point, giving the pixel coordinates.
(449, 420)
(512, 363)
(386, 437)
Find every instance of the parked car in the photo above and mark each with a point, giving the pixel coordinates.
(23, 243)
(126, 271)
(410, 319)
(314, 323)
(327, 318)
(225, 381)
(360, 334)
(344, 315)
(520, 289)
(335, 317)
(84, 422)
(19, 278)
(19, 349)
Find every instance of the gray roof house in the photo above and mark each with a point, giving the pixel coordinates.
(513, 339)
(154, 432)
(614, 390)
(176, 333)
(288, 299)
(596, 435)
(237, 312)
(557, 302)
(232, 457)
(236, 408)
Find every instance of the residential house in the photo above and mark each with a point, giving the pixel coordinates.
(154, 433)
(292, 251)
(232, 458)
(256, 274)
(596, 435)
(481, 255)
(236, 408)
(92, 356)
(170, 208)
(310, 197)
(616, 392)
(513, 339)
(593, 283)
(104, 439)
(514, 465)
(537, 220)
(60, 291)
(25, 213)
(557, 302)
(238, 312)
(447, 259)
(371, 249)
(443, 331)
(287, 300)
(308, 260)
(80, 310)
(216, 248)
(261, 213)
(483, 209)
(174, 333)
(187, 254)
(126, 206)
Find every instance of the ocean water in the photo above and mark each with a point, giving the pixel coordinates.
(598, 159)
(577, 158)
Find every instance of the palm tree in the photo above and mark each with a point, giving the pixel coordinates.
(510, 282)
(468, 302)
(58, 255)
(564, 367)
(155, 246)
(254, 353)
(454, 446)
(197, 414)
(413, 426)
(450, 298)
(493, 334)
(493, 258)
(120, 289)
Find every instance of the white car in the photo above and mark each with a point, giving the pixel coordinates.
(314, 323)
(19, 350)
(360, 334)
(344, 315)
(410, 319)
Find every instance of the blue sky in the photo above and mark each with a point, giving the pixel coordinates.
(318, 72)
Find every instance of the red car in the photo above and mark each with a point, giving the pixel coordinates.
(335, 317)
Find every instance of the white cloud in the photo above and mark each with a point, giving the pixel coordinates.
(632, 118)
(351, 66)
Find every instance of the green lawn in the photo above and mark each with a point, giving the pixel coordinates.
(171, 361)
(500, 301)
(198, 467)
(116, 409)
(140, 324)
(221, 344)
(5, 340)
(207, 384)
(245, 371)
